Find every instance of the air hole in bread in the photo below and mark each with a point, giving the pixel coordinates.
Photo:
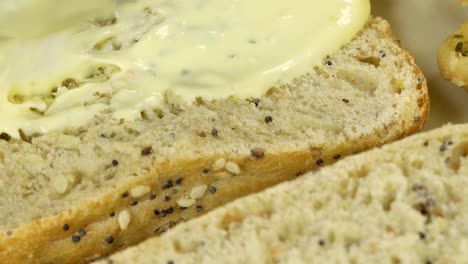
(144, 116)
(132, 131)
(177, 246)
(159, 113)
(318, 205)
(361, 172)
(396, 260)
(421, 102)
(452, 193)
(417, 164)
(372, 60)
(201, 134)
(389, 198)
(331, 237)
(232, 217)
(398, 85)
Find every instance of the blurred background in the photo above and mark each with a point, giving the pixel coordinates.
(422, 26)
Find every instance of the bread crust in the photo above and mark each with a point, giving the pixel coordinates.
(385, 204)
(45, 240)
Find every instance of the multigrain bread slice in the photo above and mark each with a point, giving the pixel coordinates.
(453, 57)
(73, 196)
(404, 203)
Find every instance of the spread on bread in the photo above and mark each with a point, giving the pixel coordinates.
(128, 62)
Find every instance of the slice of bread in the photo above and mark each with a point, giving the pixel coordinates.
(453, 57)
(77, 195)
(404, 203)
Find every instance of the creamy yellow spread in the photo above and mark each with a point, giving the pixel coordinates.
(126, 61)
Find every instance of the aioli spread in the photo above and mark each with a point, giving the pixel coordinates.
(127, 62)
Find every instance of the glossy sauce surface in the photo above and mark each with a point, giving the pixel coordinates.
(128, 62)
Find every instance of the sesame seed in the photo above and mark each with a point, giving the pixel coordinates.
(75, 239)
(443, 148)
(65, 227)
(115, 163)
(134, 202)
(233, 168)
(147, 151)
(212, 189)
(321, 242)
(345, 101)
(156, 212)
(428, 262)
(199, 208)
(338, 156)
(112, 214)
(256, 101)
(257, 153)
(185, 202)
(170, 262)
(268, 119)
(139, 191)
(9, 233)
(319, 162)
(328, 63)
(382, 53)
(205, 170)
(219, 164)
(422, 235)
(214, 132)
(82, 232)
(179, 181)
(449, 142)
(170, 210)
(124, 219)
(417, 119)
(167, 198)
(152, 196)
(125, 195)
(198, 192)
(109, 240)
(426, 143)
(163, 213)
(168, 185)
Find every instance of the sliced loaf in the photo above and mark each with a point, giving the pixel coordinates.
(73, 196)
(404, 203)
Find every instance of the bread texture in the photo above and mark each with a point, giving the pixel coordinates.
(404, 203)
(453, 57)
(77, 195)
